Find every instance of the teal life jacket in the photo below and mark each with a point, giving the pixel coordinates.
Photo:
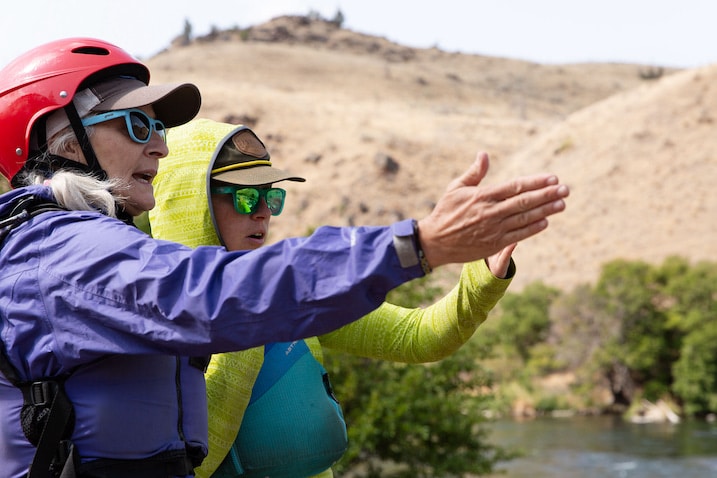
(293, 425)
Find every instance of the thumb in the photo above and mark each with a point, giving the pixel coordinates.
(473, 175)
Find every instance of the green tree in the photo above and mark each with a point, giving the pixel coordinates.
(413, 420)
(580, 327)
(696, 371)
(644, 344)
(525, 318)
(691, 294)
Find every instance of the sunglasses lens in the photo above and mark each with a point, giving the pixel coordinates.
(161, 131)
(275, 200)
(141, 128)
(142, 125)
(246, 200)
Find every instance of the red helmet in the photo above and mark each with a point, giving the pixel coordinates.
(45, 79)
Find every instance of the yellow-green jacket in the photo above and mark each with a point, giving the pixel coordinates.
(182, 214)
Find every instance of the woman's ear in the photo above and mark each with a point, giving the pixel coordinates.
(71, 150)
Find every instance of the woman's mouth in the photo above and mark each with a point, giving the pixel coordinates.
(143, 177)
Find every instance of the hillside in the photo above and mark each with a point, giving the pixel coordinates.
(641, 166)
(336, 106)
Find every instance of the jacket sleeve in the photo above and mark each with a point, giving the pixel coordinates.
(424, 335)
(97, 286)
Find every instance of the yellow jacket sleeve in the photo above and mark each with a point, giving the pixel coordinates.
(401, 334)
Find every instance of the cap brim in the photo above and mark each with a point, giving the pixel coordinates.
(255, 176)
(174, 103)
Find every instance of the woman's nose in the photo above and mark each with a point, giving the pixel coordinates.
(263, 209)
(157, 146)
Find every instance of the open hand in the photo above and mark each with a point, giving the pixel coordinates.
(471, 221)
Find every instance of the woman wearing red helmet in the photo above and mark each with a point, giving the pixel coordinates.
(105, 332)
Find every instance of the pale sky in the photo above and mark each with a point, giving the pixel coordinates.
(676, 33)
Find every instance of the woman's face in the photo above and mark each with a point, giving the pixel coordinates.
(240, 231)
(134, 163)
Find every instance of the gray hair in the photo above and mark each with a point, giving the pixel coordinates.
(74, 190)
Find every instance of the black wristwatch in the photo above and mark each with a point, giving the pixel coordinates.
(408, 246)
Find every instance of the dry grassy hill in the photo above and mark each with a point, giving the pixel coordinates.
(641, 165)
(334, 105)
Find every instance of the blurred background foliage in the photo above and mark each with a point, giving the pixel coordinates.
(641, 332)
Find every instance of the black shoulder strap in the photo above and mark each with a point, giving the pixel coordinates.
(47, 419)
(25, 208)
(47, 415)
(54, 450)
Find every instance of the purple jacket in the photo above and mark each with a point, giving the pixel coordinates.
(79, 290)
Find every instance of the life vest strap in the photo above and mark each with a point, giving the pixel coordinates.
(166, 464)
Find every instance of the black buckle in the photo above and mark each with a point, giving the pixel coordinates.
(42, 393)
(201, 363)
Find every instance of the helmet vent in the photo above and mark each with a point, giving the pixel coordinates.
(91, 50)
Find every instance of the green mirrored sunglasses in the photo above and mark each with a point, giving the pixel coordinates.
(247, 199)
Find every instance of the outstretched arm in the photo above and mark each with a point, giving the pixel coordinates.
(426, 334)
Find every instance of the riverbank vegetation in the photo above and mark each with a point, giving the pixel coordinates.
(642, 333)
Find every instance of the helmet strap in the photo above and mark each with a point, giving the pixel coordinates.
(40, 131)
(84, 140)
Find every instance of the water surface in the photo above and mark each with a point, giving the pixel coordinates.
(596, 447)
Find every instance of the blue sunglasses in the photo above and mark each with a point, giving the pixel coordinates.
(139, 124)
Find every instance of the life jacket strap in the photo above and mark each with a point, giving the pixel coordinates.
(47, 418)
(167, 464)
(25, 208)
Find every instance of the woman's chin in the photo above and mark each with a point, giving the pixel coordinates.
(134, 207)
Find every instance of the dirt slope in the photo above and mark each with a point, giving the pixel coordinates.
(379, 129)
(641, 166)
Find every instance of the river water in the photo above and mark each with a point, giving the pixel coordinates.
(598, 447)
